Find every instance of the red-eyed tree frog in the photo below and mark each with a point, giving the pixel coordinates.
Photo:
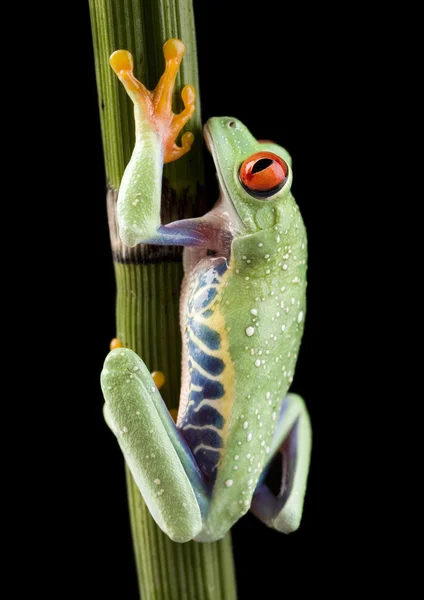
(242, 317)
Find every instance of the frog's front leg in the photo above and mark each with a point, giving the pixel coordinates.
(156, 129)
(158, 456)
(292, 439)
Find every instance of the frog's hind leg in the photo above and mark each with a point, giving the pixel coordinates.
(292, 439)
(159, 459)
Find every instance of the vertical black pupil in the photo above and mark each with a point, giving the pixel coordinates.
(261, 164)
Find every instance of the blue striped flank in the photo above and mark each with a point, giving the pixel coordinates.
(203, 423)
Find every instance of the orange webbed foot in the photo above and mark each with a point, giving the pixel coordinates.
(157, 105)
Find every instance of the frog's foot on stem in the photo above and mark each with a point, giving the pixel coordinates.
(157, 127)
(157, 105)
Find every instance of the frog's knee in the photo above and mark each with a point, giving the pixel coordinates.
(120, 359)
(122, 366)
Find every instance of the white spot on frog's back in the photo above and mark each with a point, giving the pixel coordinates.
(229, 482)
(250, 331)
(300, 316)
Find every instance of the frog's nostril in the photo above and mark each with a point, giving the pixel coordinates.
(231, 123)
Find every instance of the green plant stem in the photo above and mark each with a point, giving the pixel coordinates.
(149, 278)
(165, 569)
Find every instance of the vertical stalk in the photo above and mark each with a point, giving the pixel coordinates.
(148, 278)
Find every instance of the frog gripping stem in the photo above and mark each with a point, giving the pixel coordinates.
(157, 105)
(156, 131)
(242, 307)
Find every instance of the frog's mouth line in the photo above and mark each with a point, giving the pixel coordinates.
(210, 145)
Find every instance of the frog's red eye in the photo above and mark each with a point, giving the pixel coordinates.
(263, 174)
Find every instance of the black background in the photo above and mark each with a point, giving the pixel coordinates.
(334, 83)
(270, 65)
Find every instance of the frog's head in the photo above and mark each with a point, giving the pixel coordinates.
(255, 177)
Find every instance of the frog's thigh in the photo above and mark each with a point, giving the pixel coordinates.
(292, 439)
(149, 441)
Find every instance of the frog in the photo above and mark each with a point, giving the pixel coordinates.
(242, 315)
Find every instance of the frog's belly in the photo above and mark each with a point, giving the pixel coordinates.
(207, 370)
